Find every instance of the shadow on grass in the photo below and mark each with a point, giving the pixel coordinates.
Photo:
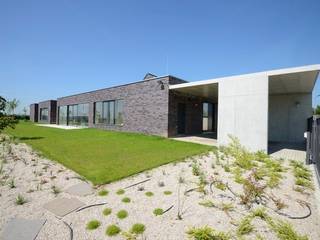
(30, 138)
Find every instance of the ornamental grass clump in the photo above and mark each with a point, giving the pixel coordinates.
(207, 233)
(302, 175)
(120, 192)
(126, 200)
(149, 194)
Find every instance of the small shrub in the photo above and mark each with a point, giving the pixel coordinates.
(207, 233)
(226, 168)
(138, 228)
(120, 192)
(167, 192)
(93, 224)
(158, 211)
(112, 230)
(126, 200)
(149, 194)
(107, 211)
(122, 214)
(20, 200)
(103, 192)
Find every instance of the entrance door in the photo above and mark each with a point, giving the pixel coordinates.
(181, 118)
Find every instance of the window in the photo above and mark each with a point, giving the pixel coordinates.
(78, 114)
(118, 112)
(207, 117)
(109, 112)
(44, 114)
(63, 113)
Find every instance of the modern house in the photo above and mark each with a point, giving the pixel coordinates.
(258, 108)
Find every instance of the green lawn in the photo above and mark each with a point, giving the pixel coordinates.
(104, 156)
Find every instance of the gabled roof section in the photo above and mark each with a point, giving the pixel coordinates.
(148, 76)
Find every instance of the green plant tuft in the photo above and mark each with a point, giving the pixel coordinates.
(158, 211)
(207, 233)
(138, 228)
(207, 203)
(103, 193)
(93, 224)
(126, 200)
(20, 200)
(107, 211)
(120, 192)
(122, 214)
(167, 192)
(113, 230)
(149, 194)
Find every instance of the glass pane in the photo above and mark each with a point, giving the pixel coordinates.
(119, 112)
(105, 112)
(205, 110)
(63, 115)
(111, 113)
(98, 112)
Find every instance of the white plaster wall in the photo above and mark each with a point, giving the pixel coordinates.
(243, 110)
(288, 114)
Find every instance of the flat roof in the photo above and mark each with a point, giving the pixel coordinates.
(270, 73)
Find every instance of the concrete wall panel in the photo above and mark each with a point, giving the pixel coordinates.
(243, 110)
(288, 114)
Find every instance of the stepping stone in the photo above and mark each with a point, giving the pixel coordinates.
(80, 189)
(62, 206)
(17, 229)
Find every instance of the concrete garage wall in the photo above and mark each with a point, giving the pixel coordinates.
(243, 110)
(288, 115)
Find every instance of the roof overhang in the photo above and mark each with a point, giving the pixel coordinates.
(281, 81)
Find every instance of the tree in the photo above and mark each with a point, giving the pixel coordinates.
(5, 121)
(317, 110)
(12, 105)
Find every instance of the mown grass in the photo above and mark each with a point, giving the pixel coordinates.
(104, 156)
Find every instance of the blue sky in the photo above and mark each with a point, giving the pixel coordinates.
(50, 49)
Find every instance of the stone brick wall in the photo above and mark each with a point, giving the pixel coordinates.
(34, 112)
(145, 106)
(52, 110)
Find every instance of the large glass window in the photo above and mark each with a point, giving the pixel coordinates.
(44, 113)
(78, 114)
(63, 113)
(109, 112)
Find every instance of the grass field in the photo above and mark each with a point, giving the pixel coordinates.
(104, 156)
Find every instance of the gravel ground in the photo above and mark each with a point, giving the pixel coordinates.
(34, 176)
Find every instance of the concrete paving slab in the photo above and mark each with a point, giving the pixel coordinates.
(80, 189)
(18, 229)
(62, 206)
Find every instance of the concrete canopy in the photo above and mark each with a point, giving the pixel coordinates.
(243, 101)
(286, 80)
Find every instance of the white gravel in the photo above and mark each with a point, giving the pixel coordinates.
(28, 170)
